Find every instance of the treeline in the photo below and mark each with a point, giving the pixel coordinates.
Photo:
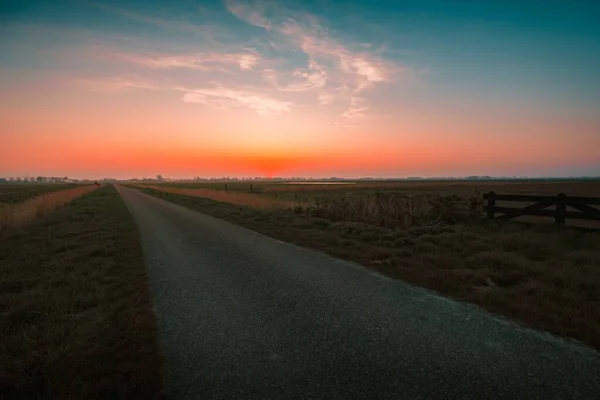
(37, 179)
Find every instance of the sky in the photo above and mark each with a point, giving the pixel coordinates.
(319, 88)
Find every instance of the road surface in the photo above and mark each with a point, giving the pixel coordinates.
(244, 316)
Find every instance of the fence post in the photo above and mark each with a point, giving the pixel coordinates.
(225, 188)
(491, 203)
(561, 208)
(250, 188)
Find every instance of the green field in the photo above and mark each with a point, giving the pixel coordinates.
(12, 194)
(77, 320)
(545, 276)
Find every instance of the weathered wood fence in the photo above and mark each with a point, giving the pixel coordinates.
(583, 205)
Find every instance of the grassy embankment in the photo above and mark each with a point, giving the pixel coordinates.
(77, 321)
(541, 275)
(16, 193)
(18, 214)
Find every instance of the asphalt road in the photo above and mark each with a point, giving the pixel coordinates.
(243, 316)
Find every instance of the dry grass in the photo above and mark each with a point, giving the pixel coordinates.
(460, 187)
(14, 216)
(75, 310)
(397, 210)
(233, 197)
(545, 276)
(17, 193)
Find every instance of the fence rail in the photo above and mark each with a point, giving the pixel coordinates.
(583, 205)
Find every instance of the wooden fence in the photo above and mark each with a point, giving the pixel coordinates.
(583, 205)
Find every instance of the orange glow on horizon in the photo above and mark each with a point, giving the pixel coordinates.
(111, 138)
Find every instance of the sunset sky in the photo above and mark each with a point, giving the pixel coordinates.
(299, 88)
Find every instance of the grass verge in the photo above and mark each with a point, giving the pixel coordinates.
(13, 216)
(12, 194)
(233, 197)
(546, 277)
(77, 320)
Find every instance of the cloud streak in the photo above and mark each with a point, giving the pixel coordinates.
(114, 84)
(338, 72)
(253, 14)
(313, 77)
(301, 63)
(225, 98)
(201, 61)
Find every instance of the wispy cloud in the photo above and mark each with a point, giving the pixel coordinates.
(224, 98)
(295, 61)
(337, 71)
(200, 61)
(352, 72)
(312, 77)
(357, 109)
(172, 24)
(114, 84)
(254, 14)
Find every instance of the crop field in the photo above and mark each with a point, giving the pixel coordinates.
(433, 234)
(11, 194)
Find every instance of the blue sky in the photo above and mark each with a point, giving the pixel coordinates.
(366, 72)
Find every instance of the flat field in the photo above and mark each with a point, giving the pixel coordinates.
(542, 187)
(77, 320)
(12, 194)
(432, 234)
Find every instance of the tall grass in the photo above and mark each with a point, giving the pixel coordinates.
(20, 214)
(233, 197)
(397, 210)
(383, 209)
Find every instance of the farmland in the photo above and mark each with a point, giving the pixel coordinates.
(77, 321)
(12, 194)
(18, 214)
(74, 287)
(432, 234)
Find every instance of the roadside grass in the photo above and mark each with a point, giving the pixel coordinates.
(457, 187)
(312, 193)
(544, 276)
(233, 197)
(77, 320)
(17, 215)
(12, 194)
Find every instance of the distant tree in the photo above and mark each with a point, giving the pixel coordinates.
(160, 177)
